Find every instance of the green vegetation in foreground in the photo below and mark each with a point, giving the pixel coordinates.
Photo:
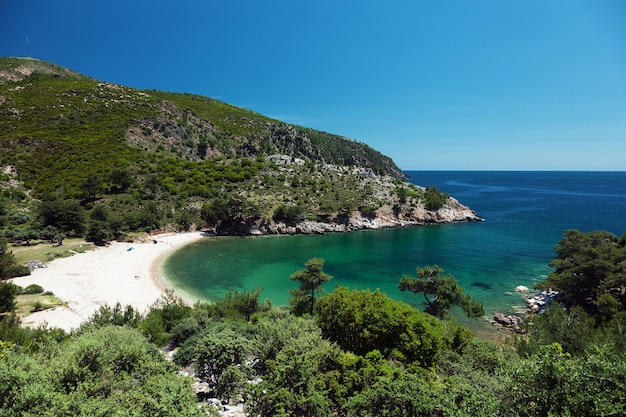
(360, 354)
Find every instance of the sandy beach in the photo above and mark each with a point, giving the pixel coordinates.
(120, 272)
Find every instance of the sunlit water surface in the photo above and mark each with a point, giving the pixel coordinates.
(525, 216)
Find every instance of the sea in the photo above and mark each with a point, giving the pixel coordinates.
(524, 217)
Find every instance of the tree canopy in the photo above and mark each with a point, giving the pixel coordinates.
(362, 354)
(590, 271)
(8, 266)
(311, 279)
(441, 292)
(364, 321)
(244, 303)
(8, 292)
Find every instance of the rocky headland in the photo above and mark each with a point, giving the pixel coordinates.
(386, 217)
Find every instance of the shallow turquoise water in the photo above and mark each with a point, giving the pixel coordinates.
(525, 216)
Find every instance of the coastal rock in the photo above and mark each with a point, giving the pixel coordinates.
(522, 289)
(386, 217)
(32, 265)
(512, 322)
(539, 302)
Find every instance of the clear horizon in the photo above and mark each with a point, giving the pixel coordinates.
(450, 85)
(510, 170)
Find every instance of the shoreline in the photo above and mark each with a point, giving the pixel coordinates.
(128, 273)
(160, 278)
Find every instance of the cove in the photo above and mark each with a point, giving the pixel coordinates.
(525, 216)
(363, 259)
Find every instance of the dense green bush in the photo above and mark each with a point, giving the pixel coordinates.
(303, 367)
(410, 395)
(292, 386)
(109, 371)
(552, 383)
(33, 289)
(289, 214)
(113, 316)
(589, 272)
(239, 304)
(8, 292)
(164, 315)
(8, 266)
(434, 199)
(218, 350)
(19, 217)
(363, 321)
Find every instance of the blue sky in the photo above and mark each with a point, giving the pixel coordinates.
(436, 85)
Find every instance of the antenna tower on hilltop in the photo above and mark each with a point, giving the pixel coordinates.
(27, 48)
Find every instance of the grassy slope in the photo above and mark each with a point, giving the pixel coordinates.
(57, 128)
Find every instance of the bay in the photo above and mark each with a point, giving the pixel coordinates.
(525, 215)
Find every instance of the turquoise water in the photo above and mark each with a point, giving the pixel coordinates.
(525, 216)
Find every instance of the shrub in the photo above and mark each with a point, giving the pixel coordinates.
(8, 266)
(19, 217)
(33, 289)
(8, 292)
(434, 199)
(185, 330)
(363, 321)
(289, 214)
(117, 316)
(163, 316)
(368, 211)
(109, 371)
(239, 304)
(216, 352)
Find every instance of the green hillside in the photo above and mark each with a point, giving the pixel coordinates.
(133, 159)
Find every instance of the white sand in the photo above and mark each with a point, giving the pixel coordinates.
(106, 275)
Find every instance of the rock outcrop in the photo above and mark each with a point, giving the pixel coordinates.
(512, 322)
(452, 212)
(539, 302)
(536, 305)
(32, 265)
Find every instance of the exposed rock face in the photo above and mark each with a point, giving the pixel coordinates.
(539, 302)
(31, 65)
(386, 217)
(451, 212)
(512, 322)
(536, 305)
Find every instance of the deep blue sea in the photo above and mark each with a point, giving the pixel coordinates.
(525, 215)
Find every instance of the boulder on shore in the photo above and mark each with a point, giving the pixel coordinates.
(539, 302)
(32, 265)
(511, 322)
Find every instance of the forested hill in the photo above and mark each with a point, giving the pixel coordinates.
(55, 103)
(146, 158)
